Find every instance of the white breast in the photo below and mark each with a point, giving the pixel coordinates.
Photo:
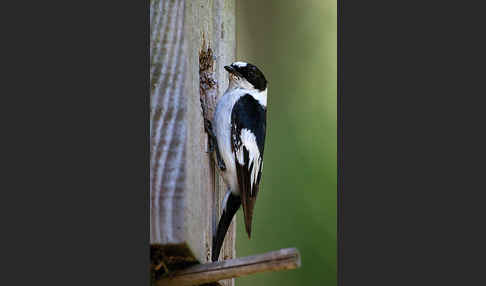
(222, 127)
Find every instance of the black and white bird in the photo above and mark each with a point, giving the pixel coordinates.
(238, 133)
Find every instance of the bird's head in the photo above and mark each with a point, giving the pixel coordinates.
(247, 76)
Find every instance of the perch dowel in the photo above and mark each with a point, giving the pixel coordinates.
(283, 259)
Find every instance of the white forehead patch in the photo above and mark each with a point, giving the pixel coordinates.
(240, 64)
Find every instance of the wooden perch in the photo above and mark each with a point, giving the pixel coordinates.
(284, 259)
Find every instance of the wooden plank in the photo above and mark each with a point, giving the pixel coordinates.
(283, 259)
(185, 190)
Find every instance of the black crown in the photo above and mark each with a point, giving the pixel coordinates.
(253, 75)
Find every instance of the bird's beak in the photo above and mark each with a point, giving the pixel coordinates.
(232, 70)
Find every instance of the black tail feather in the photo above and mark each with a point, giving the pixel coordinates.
(232, 205)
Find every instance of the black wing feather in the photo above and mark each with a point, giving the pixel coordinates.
(248, 114)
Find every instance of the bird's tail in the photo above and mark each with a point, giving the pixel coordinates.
(230, 206)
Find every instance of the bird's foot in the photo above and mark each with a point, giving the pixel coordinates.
(208, 127)
(210, 145)
(221, 164)
(213, 144)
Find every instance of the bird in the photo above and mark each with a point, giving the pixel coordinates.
(237, 132)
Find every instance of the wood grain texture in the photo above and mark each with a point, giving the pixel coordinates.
(168, 141)
(185, 190)
(283, 259)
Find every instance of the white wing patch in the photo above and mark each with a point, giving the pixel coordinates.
(248, 140)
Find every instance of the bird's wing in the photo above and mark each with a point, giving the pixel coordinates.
(248, 121)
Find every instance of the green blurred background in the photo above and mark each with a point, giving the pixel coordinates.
(295, 44)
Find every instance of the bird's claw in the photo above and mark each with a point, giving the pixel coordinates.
(208, 127)
(221, 165)
(210, 145)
